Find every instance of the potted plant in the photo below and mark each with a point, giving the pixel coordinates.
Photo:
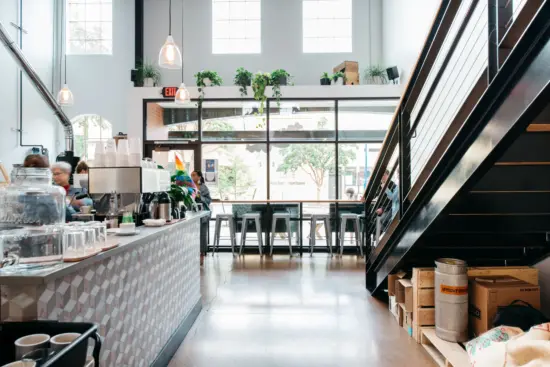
(148, 75)
(207, 78)
(338, 78)
(243, 79)
(375, 74)
(325, 79)
(279, 77)
(259, 83)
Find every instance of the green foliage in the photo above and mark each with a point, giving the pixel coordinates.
(338, 74)
(376, 72)
(315, 159)
(147, 70)
(325, 76)
(276, 76)
(243, 79)
(215, 80)
(259, 83)
(234, 179)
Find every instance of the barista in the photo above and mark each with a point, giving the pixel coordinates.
(61, 172)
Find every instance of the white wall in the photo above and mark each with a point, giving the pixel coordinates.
(405, 25)
(39, 125)
(100, 83)
(281, 40)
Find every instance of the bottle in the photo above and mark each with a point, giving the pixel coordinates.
(112, 216)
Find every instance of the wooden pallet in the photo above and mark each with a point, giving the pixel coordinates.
(444, 353)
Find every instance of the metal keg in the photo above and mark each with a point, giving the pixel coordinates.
(451, 300)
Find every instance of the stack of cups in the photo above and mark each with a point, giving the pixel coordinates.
(99, 155)
(134, 158)
(123, 153)
(110, 153)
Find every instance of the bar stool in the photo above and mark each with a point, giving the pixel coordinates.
(344, 217)
(217, 230)
(328, 233)
(256, 218)
(281, 216)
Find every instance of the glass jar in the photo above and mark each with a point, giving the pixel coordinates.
(31, 248)
(31, 199)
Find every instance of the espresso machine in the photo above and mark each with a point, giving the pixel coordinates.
(136, 189)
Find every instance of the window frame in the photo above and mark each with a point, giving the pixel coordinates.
(308, 18)
(84, 23)
(257, 49)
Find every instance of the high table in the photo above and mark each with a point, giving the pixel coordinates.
(267, 207)
(144, 294)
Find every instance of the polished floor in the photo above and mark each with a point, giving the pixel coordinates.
(293, 312)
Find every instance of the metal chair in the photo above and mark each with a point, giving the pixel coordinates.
(328, 233)
(217, 230)
(256, 217)
(281, 216)
(344, 217)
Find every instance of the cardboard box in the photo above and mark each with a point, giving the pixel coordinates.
(392, 279)
(393, 306)
(404, 293)
(486, 294)
(400, 315)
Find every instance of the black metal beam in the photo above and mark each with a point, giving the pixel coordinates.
(519, 92)
(138, 30)
(530, 202)
(515, 178)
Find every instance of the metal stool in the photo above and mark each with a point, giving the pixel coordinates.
(286, 217)
(231, 222)
(344, 217)
(328, 233)
(256, 218)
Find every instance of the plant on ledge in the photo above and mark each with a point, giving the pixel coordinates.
(375, 75)
(207, 78)
(338, 78)
(147, 74)
(243, 79)
(325, 79)
(279, 77)
(259, 83)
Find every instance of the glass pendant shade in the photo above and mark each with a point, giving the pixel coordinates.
(170, 55)
(182, 95)
(65, 96)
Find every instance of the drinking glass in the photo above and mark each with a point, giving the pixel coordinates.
(122, 155)
(73, 243)
(89, 239)
(110, 153)
(134, 158)
(100, 235)
(99, 154)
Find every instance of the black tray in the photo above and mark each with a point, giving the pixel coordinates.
(69, 356)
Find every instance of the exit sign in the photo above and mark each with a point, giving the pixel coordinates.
(169, 92)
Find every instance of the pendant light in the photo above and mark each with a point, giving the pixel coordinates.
(170, 56)
(182, 95)
(65, 96)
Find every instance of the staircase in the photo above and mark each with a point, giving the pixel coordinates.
(465, 167)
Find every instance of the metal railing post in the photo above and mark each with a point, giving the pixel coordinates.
(492, 44)
(404, 160)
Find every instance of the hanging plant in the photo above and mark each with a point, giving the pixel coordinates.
(259, 83)
(207, 78)
(279, 77)
(243, 79)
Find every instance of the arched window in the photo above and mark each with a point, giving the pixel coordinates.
(89, 129)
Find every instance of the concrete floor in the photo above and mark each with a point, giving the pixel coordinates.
(293, 312)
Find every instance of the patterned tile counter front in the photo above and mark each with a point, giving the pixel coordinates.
(139, 295)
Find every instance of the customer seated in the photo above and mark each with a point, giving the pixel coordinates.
(61, 172)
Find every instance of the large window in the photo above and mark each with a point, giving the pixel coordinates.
(300, 120)
(89, 27)
(236, 27)
(89, 129)
(327, 26)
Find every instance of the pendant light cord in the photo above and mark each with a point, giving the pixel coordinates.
(170, 18)
(63, 43)
(182, 6)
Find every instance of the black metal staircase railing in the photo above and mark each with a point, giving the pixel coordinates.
(465, 50)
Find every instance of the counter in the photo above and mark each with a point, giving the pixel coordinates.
(143, 294)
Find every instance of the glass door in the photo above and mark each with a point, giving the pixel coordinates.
(167, 155)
